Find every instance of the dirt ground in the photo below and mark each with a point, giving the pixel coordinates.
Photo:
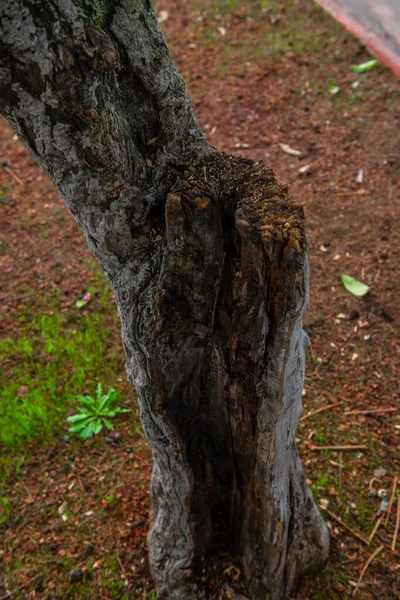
(260, 75)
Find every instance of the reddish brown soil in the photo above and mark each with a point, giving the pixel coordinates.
(253, 89)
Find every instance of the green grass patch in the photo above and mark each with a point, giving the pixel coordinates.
(5, 509)
(55, 356)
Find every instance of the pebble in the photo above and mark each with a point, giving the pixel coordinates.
(75, 576)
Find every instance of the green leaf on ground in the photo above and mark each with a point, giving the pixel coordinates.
(357, 288)
(365, 66)
(333, 88)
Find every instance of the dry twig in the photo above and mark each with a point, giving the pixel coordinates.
(79, 480)
(396, 529)
(21, 587)
(372, 411)
(339, 520)
(369, 561)
(389, 508)
(356, 447)
(360, 192)
(18, 180)
(315, 412)
(375, 529)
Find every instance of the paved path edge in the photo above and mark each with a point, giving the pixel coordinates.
(370, 39)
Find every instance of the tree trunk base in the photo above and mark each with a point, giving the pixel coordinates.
(211, 283)
(216, 352)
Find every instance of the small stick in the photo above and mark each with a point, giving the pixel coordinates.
(337, 447)
(121, 566)
(315, 412)
(361, 192)
(389, 508)
(372, 411)
(339, 520)
(336, 464)
(18, 180)
(375, 529)
(21, 587)
(76, 476)
(354, 583)
(396, 529)
(369, 561)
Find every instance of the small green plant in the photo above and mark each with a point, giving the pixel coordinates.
(51, 356)
(95, 413)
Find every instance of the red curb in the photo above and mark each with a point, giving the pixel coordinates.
(370, 39)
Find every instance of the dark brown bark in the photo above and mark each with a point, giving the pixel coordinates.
(207, 257)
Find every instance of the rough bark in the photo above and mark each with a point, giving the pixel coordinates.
(207, 257)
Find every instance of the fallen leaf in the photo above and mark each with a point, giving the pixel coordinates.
(365, 66)
(357, 288)
(333, 88)
(275, 18)
(61, 508)
(360, 176)
(380, 472)
(288, 150)
(22, 391)
(162, 16)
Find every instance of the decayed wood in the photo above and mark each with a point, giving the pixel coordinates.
(228, 351)
(207, 257)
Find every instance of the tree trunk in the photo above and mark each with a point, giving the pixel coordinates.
(207, 257)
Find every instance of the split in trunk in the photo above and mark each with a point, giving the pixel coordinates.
(225, 365)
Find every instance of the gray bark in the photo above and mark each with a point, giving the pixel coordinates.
(208, 260)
